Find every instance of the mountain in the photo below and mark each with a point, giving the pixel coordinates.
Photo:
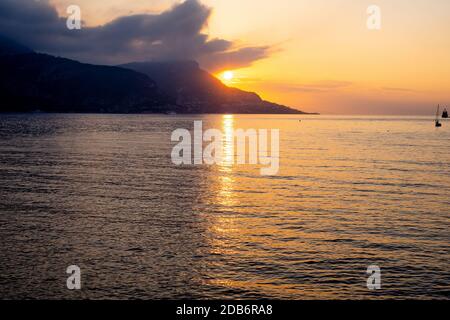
(185, 84)
(31, 81)
(8, 47)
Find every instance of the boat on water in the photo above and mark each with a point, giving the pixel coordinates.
(445, 114)
(437, 123)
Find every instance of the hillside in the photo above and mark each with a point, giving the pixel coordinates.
(185, 84)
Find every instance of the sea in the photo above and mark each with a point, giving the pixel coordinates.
(101, 192)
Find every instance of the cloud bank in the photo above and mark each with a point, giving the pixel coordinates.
(175, 34)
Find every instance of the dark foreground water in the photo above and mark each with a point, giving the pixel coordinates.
(101, 192)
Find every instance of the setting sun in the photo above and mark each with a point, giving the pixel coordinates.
(228, 75)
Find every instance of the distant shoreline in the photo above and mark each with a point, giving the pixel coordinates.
(160, 113)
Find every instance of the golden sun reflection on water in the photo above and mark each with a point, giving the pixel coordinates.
(224, 227)
(228, 143)
(226, 180)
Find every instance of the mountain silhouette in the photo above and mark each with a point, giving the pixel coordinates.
(8, 46)
(185, 84)
(31, 81)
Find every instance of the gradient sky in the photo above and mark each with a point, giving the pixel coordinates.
(323, 58)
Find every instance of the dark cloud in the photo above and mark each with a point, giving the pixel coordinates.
(237, 58)
(175, 34)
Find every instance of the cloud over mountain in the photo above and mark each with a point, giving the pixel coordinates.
(175, 34)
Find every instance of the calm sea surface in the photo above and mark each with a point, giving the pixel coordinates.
(101, 192)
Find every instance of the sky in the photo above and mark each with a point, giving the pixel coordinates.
(317, 56)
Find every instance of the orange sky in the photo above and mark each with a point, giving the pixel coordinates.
(324, 57)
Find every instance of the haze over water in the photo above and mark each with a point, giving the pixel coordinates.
(101, 192)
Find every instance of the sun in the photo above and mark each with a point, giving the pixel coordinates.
(228, 75)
